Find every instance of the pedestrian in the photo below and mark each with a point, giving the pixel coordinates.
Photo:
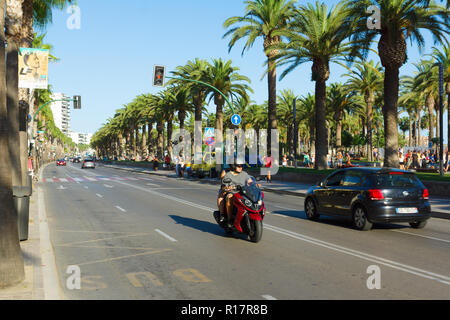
(182, 166)
(285, 161)
(401, 160)
(306, 158)
(155, 163)
(408, 160)
(349, 162)
(339, 159)
(415, 160)
(167, 161)
(446, 160)
(268, 164)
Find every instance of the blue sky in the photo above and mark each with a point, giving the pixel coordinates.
(110, 59)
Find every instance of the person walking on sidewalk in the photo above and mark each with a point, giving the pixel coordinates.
(268, 164)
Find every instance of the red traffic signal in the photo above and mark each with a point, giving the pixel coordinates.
(158, 76)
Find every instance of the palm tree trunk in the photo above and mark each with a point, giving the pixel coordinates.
(430, 106)
(272, 104)
(419, 126)
(144, 140)
(219, 121)
(11, 261)
(169, 135)
(321, 131)
(410, 129)
(160, 139)
(391, 85)
(370, 102)
(447, 89)
(13, 21)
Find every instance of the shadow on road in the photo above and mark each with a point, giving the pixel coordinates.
(201, 225)
(344, 222)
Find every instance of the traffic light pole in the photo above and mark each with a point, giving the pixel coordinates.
(205, 84)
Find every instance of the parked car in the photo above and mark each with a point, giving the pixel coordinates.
(370, 195)
(88, 163)
(61, 162)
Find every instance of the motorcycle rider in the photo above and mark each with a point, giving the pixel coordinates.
(226, 193)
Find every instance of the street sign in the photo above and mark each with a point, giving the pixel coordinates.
(209, 132)
(210, 141)
(236, 119)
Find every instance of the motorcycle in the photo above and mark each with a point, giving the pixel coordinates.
(248, 211)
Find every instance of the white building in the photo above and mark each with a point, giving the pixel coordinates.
(61, 112)
(78, 137)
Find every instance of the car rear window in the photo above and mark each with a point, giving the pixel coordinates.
(88, 160)
(395, 180)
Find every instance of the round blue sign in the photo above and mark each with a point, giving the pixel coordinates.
(236, 119)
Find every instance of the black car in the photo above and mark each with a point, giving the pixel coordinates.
(370, 195)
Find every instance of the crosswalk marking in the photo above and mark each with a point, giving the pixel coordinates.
(93, 179)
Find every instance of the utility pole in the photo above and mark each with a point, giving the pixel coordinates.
(441, 120)
(295, 132)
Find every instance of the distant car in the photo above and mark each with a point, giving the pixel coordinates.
(88, 163)
(370, 195)
(61, 162)
(76, 160)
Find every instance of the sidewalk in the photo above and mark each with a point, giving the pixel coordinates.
(32, 287)
(440, 206)
(41, 280)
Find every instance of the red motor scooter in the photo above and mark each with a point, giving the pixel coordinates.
(248, 211)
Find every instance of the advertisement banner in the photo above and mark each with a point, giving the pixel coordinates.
(33, 68)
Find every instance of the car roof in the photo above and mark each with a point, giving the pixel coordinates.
(376, 169)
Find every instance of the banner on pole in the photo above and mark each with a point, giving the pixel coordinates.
(33, 68)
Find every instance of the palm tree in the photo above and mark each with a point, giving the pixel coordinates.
(11, 262)
(367, 81)
(340, 102)
(401, 20)
(285, 114)
(307, 117)
(426, 82)
(224, 77)
(317, 35)
(262, 19)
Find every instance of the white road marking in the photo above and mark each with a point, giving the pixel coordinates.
(99, 195)
(166, 235)
(276, 214)
(108, 186)
(268, 297)
(121, 209)
(86, 187)
(151, 184)
(419, 235)
(62, 179)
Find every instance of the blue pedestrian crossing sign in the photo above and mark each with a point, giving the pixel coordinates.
(236, 119)
(209, 132)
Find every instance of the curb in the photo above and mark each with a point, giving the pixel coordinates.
(439, 215)
(52, 289)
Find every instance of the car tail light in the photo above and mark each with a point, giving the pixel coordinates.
(376, 194)
(395, 172)
(426, 194)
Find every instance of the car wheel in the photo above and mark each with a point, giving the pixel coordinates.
(418, 224)
(360, 219)
(311, 210)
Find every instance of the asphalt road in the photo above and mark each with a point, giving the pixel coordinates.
(140, 236)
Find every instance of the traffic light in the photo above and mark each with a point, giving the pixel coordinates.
(158, 76)
(77, 102)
